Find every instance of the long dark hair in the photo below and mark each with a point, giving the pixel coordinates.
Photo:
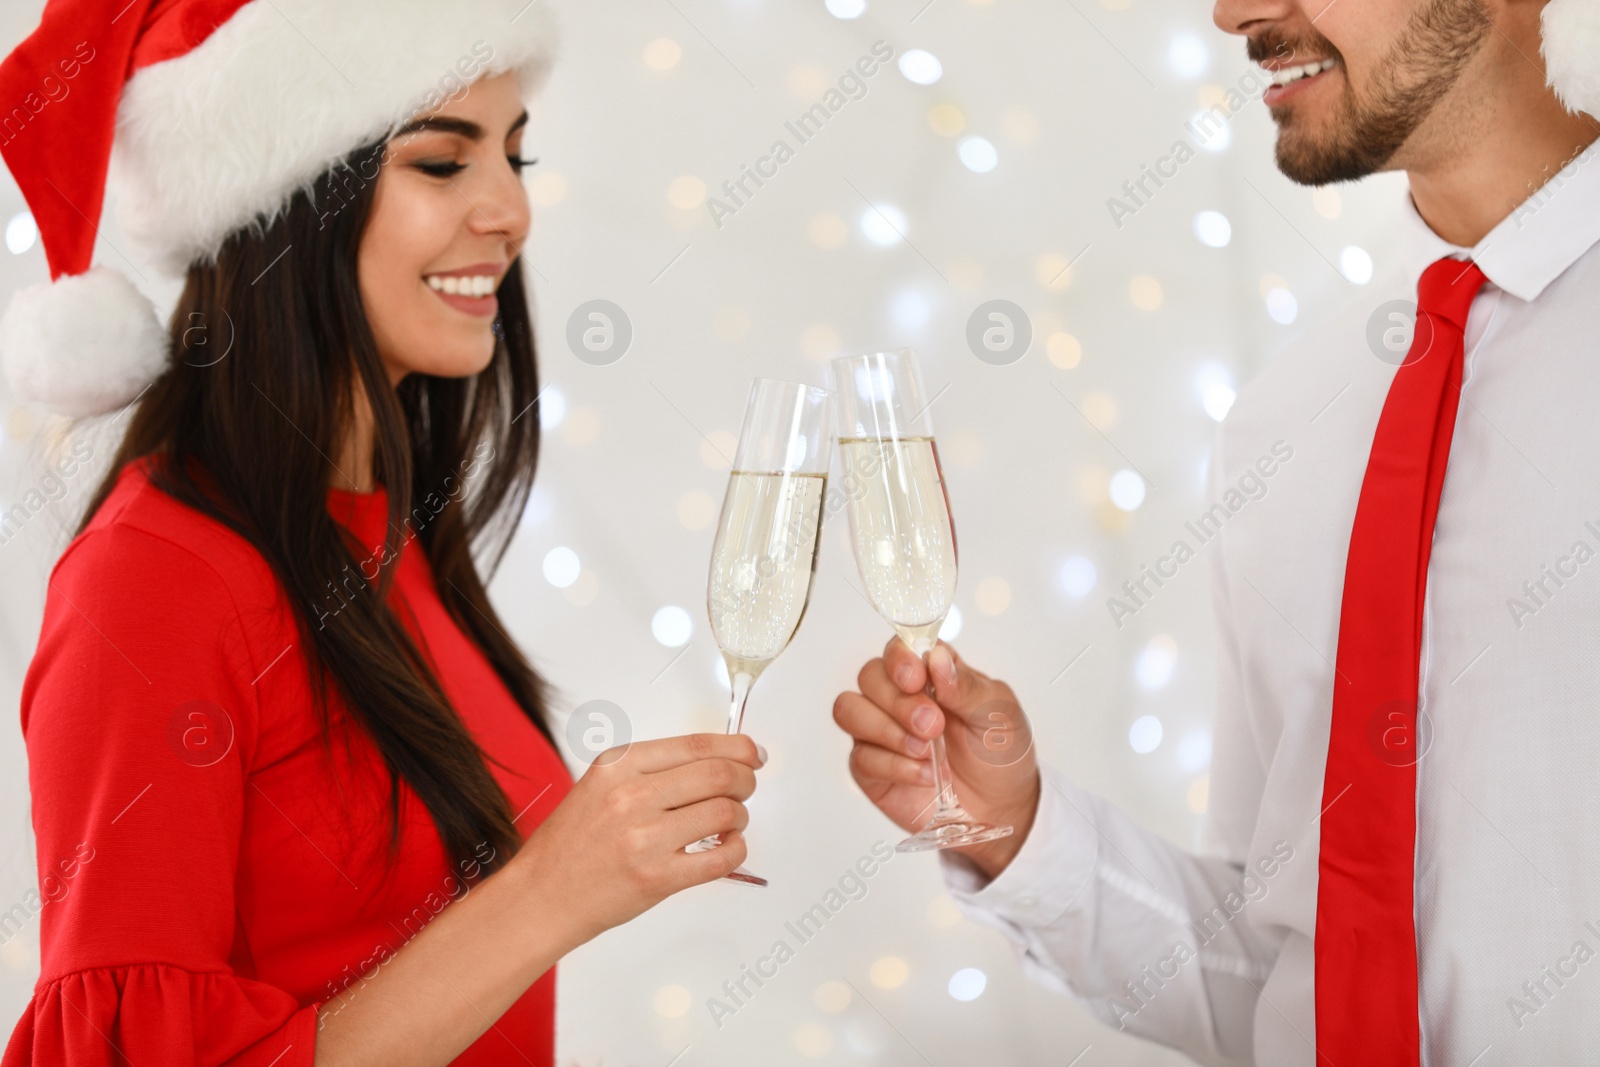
(260, 424)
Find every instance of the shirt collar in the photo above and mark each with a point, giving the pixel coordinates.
(1532, 246)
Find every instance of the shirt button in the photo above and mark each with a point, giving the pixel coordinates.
(1027, 900)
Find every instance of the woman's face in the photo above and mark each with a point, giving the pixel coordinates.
(449, 216)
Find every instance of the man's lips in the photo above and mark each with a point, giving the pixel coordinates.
(1292, 79)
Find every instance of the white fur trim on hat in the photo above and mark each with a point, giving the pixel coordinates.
(84, 344)
(1572, 52)
(208, 141)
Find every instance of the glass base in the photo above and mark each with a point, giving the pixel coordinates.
(738, 874)
(954, 829)
(744, 877)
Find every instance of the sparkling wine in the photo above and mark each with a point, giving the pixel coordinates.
(900, 526)
(762, 564)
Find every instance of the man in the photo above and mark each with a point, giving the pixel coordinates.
(1401, 817)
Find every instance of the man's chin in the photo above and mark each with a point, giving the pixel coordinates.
(1305, 161)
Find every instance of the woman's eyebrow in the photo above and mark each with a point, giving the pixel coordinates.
(472, 131)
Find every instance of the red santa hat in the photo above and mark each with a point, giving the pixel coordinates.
(203, 116)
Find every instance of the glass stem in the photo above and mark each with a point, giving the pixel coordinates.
(741, 693)
(741, 684)
(946, 806)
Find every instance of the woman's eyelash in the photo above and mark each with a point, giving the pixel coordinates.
(445, 170)
(441, 170)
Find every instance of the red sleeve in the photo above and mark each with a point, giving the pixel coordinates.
(140, 720)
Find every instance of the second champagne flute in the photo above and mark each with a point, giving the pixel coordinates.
(765, 554)
(903, 536)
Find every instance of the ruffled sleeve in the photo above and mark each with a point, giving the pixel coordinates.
(140, 719)
(153, 1013)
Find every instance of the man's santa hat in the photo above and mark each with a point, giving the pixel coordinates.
(204, 116)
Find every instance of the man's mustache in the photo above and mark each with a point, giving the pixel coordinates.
(1272, 44)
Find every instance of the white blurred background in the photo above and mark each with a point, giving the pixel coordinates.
(992, 146)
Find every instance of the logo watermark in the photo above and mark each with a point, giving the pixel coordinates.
(595, 726)
(1252, 485)
(999, 332)
(851, 85)
(850, 886)
(1137, 993)
(599, 332)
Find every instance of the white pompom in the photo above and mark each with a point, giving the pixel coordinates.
(1571, 47)
(84, 344)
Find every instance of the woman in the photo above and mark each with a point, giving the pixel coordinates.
(294, 789)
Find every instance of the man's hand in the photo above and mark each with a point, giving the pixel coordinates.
(988, 744)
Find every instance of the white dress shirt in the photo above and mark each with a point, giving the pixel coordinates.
(1212, 954)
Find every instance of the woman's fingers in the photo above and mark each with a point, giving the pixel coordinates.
(648, 757)
(703, 779)
(869, 763)
(715, 816)
(864, 720)
(693, 868)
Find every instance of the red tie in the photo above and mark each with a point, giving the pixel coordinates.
(1366, 947)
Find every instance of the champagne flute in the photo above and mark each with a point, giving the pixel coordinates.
(903, 537)
(765, 554)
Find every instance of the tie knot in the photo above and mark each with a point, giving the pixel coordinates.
(1446, 290)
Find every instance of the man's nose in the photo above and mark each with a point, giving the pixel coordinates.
(1246, 17)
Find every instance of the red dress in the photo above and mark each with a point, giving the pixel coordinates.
(209, 875)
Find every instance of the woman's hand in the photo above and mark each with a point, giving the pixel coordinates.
(988, 744)
(613, 848)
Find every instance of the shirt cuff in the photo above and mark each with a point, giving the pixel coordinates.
(1049, 872)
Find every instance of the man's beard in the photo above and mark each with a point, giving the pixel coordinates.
(1406, 84)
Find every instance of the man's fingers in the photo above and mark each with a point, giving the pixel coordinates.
(863, 719)
(954, 683)
(876, 685)
(649, 757)
(869, 763)
(904, 667)
(915, 713)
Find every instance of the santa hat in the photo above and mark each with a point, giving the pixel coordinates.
(203, 115)
(1572, 52)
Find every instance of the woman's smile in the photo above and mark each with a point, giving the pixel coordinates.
(470, 289)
